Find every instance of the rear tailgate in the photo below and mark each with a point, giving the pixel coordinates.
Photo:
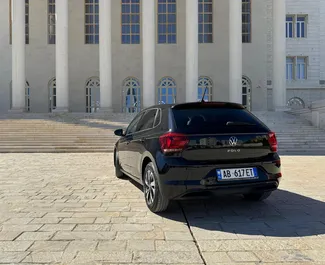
(221, 133)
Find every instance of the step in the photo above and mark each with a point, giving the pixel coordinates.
(27, 150)
(36, 143)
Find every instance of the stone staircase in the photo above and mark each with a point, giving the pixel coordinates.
(295, 134)
(48, 133)
(74, 132)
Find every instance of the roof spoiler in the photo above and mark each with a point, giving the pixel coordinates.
(209, 104)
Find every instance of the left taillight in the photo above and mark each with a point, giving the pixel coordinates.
(273, 142)
(173, 142)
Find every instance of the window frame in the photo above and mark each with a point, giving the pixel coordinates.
(204, 33)
(295, 68)
(249, 34)
(295, 26)
(287, 26)
(304, 22)
(293, 74)
(159, 87)
(94, 34)
(167, 22)
(53, 7)
(130, 24)
(210, 87)
(305, 59)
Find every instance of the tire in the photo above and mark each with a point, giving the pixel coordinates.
(155, 201)
(118, 173)
(258, 196)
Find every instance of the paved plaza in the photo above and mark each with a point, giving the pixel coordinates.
(70, 209)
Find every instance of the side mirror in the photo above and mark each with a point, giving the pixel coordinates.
(119, 132)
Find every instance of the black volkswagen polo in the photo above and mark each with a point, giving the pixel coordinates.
(179, 150)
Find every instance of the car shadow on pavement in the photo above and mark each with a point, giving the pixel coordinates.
(283, 214)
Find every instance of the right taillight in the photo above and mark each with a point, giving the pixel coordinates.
(273, 142)
(173, 142)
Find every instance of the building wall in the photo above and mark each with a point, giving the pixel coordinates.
(127, 59)
(313, 46)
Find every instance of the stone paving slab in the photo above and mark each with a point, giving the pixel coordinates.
(70, 209)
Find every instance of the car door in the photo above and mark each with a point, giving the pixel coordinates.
(123, 150)
(137, 144)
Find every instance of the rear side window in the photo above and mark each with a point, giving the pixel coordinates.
(216, 120)
(147, 120)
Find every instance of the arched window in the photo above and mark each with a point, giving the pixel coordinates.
(52, 94)
(27, 96)
(205, 83)
(131, 95)
(92, 94)
(166, 93)
(246, 92)
(296, 103)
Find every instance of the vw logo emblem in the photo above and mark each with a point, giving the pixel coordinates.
(233, 141)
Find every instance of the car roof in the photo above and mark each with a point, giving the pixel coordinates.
(189, 105)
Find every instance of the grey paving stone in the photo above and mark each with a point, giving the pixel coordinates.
(167, 257)
(48, 246)
(9, 235)
(77, 235)
(170, 235)
(116, 257)
(57, 227)
(12, 257)
(15, 246)
(116, 245)
(23, 228)
(132, 227)
(75, 220)
(141, 245)
(162, 245)
(35, 236)
(93, 227)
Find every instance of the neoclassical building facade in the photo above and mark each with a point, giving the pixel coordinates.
(124, 55)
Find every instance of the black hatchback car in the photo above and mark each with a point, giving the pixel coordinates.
(179, 150)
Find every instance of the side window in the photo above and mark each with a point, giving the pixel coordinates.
(133, 124)
(147, 120)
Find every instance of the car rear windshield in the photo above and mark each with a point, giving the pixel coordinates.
(216, 120)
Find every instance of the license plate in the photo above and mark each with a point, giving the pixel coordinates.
(237, 173)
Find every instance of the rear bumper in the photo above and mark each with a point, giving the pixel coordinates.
(180, 193)
(179, 182)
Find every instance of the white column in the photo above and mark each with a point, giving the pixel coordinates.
(279, 55)
(192, 50)
(148, 52)
(18, 55)
(105, 55)
(61, 48)
(235, 51)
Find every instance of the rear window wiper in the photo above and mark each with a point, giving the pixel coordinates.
(238, 123)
